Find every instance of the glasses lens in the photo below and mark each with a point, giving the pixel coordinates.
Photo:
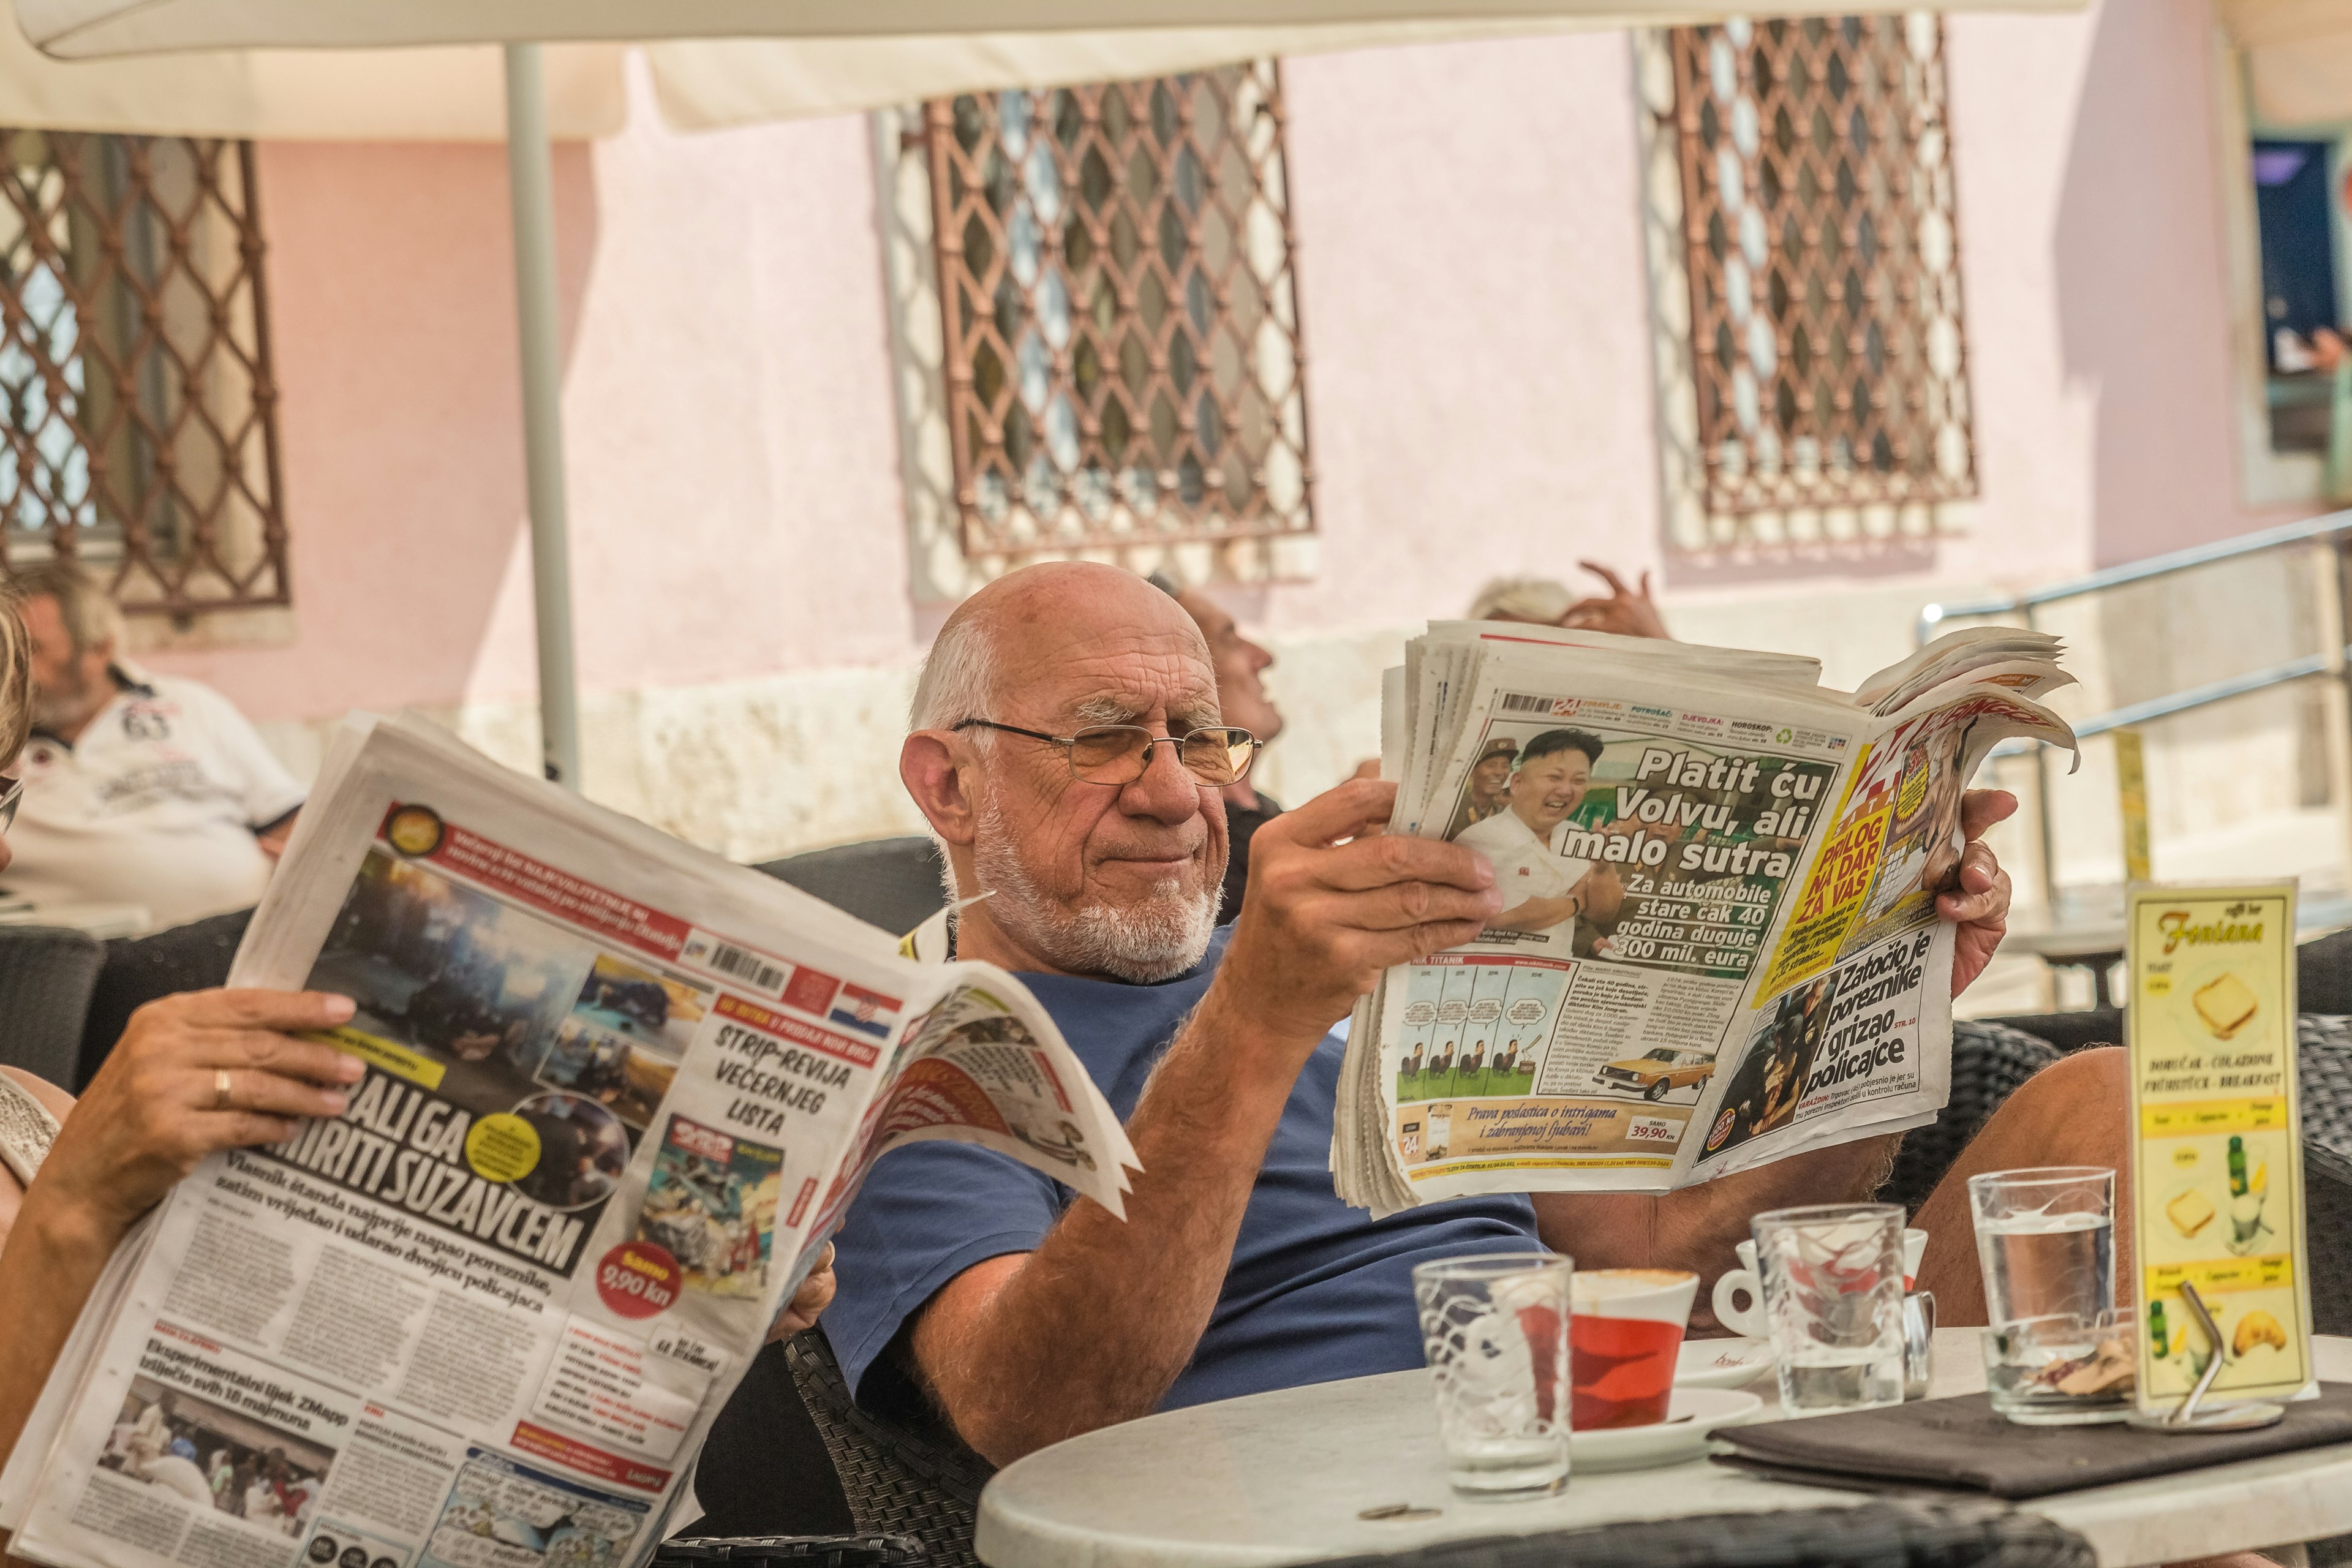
(1109, 754)
(1218, 756)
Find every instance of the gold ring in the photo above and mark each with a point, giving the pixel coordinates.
(220, 1088)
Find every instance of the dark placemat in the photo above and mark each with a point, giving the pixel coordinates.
(1962, 1443)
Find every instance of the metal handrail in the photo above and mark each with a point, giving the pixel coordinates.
(2333, 529)
(2334, 523)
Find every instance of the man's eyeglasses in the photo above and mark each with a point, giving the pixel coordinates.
(1120, 754)
(11, 792)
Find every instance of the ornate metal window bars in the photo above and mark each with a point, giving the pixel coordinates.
(136, 395)
(1120, 308)
(1822, 257)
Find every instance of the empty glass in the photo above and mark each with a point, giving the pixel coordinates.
(2046, 1239)
(1832, 1279)
(2063, 1370)
(1496, 1331)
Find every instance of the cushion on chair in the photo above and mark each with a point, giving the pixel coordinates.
(892, 883)
(194, 957)
(46, 976)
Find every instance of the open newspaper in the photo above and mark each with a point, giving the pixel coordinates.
(617, 1090)
(1718, 944)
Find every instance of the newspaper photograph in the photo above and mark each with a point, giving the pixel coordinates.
(1717, 944)
(615, 1092)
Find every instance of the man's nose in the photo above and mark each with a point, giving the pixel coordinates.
(1165, 791)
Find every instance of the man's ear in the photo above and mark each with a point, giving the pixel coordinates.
(927, 766)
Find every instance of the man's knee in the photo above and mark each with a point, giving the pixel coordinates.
(2082, 1097)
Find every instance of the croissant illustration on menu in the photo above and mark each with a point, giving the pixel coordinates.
(2226, 1006)
(2257, 1328)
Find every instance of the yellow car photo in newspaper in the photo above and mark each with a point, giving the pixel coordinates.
(1656, 1073)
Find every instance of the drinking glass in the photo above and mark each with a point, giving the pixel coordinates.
(2046, 1239)
(2064, 1370)
(1832, 1279)
(1496, 1329)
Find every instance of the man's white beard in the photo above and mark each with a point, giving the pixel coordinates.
(1154, 939)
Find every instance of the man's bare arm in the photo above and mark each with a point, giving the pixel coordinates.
(1697, 1227)
(1094, 1326)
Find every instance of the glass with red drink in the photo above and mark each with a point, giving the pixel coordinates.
(1624, 1340)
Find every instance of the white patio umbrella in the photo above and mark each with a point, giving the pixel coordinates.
(245, 68)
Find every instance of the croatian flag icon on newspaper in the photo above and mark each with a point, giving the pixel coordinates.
(866, 1010)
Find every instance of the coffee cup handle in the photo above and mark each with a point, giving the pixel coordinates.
(1749, 1321)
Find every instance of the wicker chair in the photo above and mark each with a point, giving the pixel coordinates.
(1988, 1061)
(46, 975)
(1963, 1534)
(193, 957)
(2324, 1064)
(800, 1551)
(899, 1480)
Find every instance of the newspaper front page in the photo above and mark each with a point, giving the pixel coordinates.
(1718, 943)
(617, 1093)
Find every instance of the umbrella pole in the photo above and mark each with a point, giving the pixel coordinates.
(531, 177)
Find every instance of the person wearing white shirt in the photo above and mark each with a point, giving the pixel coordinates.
(154, 792)
(1544, 890)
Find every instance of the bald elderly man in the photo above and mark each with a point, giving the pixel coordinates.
(1025, 1316)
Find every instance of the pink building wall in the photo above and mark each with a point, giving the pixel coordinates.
(1480, 386)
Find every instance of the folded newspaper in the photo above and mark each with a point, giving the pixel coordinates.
(617, 1090)
(1718, 943)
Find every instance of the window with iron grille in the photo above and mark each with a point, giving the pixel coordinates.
(1819, 250)
(136, 395)
(1122, 348)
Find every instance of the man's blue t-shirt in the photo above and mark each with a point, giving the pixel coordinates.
(1316, 1290)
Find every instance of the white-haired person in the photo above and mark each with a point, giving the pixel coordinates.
(1538, 601)
(142, 790)
(193, 1075)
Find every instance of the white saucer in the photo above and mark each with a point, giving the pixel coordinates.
(1722, 1363)
(1681, 1436)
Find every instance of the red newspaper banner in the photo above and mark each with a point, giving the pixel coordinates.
(588, 1459)
(784, 1027)
(560, 893)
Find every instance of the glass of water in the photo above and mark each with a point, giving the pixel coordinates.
(1496, 1331)
(1833, 1276)
(2046, 1239)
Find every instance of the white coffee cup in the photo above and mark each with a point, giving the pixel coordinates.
(1749, 1319)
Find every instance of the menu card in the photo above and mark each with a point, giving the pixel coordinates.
(2217, 1174)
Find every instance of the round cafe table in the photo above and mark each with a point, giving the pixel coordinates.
(1285, 1478)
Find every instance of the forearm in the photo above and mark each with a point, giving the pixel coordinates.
(1697, 1227)
(53, 1259)
(1093, 1327)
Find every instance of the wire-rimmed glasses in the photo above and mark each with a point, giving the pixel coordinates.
(1118, 754)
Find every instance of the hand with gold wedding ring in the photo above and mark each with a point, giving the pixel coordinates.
(194, 1074)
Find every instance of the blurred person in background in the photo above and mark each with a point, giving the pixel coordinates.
(1538, 601)
(193, 1075)
(1241, 695)
(146, 791)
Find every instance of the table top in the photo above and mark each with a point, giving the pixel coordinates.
(1282, 1478)
(2089, 923)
